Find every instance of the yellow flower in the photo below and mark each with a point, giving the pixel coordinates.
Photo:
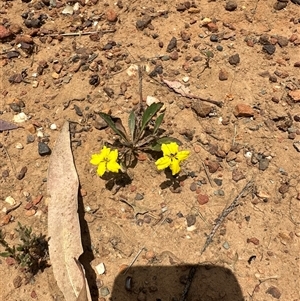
(106, 160)
(172, 157)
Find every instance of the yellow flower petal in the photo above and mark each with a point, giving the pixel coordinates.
(113, 155)
(182, 155)
(113, 166)
(174, 166)
(105, 152)
(163, 162)
(96, 159)
(101, 169)
(173, 147)
(165, 149)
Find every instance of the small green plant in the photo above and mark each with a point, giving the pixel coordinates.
(144, 133)
(31, 253)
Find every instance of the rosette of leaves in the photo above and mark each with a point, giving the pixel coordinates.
(30, 253)
(144, 134)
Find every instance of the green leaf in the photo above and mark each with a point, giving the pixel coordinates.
(164, 140)
(149, 113)
(132, 124)
(158, 122)
(116, 126)
(5, 254)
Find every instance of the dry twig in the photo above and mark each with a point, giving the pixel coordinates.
(224, 214)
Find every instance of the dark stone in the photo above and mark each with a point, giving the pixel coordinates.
(219, 48)
(30, 139)
(12, 54)
(269, 48)
(43, 149)
(297, 118)
(94, 80)
(280, 5)
(15, 107)
(139, 197)
(109, 92)
(263, 164)
(143, 23)
(214, 38)
(234, 59)
(172, 44)
(283, 188)
(78, 111)
(231, 5)
(191, 220)
(21, 174)
(274, 291)
(264, 39)
(157, 70)
(219, 182)
(273, 78)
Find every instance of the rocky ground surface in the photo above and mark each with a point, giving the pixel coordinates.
(236, 110)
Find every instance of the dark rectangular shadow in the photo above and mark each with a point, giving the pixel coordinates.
(177, 283)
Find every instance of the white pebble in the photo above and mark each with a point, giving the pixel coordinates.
(10, 200)
(19, 145)
(53, 126)
(132, 70)
(248, 154)
(35, 84)
(100, 268)
(185, 79)
(21, 117)
(68, 10)
(39, 134)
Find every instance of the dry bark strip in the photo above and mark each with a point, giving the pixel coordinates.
(63, 222)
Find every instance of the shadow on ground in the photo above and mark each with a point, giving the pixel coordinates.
(177, 283)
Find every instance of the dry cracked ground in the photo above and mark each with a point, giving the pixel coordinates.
(236, 64)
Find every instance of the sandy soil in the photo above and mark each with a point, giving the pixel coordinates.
(244, 54)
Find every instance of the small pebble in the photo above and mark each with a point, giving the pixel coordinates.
(269, 48)
(17, 281)
(19, 145)
(193, 186)
(223, 75)
(231, 5)
(274, 292)
(219, 182)
(21, 117)
(219, 48)
(234, 59)
(139, 197)
(226, 245)
(10, 200)
(202, 199)
(104, 291)
(30, 139)
(191, 220)
(43, 149)
(263, 164)
(100, 268)
(111, 15)
(20, 175)
(53, 126)
(172, 44)
(214, 38)
(253, 240)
